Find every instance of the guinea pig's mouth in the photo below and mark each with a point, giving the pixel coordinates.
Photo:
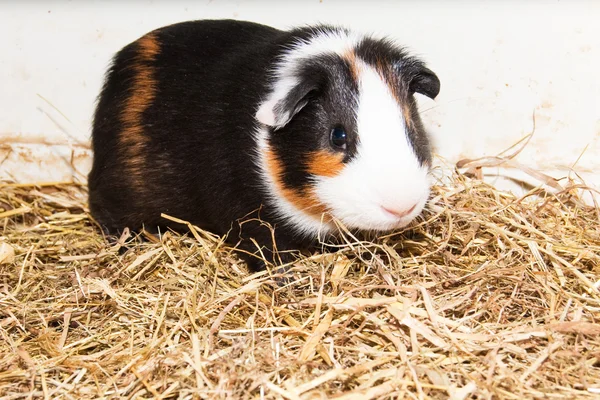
(398, 218)
(398, 213)
(382, 219)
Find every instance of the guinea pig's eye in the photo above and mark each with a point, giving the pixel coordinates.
(338, 138)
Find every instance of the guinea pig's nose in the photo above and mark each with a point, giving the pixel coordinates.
(399, 213)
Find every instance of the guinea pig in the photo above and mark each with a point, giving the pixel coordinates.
(268, 137)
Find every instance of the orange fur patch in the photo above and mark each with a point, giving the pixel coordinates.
(353, 64)
(305, 201)
(143, 88)
(407, 113)
(149, 46)
(323, 163)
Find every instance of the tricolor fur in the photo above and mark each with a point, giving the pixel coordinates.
(228, 125)
(387, 167)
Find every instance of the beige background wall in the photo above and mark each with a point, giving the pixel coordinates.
(499, 62)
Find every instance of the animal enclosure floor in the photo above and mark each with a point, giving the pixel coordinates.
(487, 296)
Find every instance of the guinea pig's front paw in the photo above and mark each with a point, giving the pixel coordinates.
(279, 274)
(282, 276)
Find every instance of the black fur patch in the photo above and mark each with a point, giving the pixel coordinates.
(200, 131)
(331, 103)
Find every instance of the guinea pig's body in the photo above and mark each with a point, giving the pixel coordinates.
(239, 128)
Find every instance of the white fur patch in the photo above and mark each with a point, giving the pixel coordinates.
(385, 172)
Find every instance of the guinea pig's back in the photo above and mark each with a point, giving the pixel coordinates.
(174, 127)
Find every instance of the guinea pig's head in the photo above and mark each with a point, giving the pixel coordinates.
(340, 133)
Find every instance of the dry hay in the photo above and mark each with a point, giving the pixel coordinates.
(490, 296)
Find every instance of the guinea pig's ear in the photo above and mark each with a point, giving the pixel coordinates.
(424, 81)
(288, 97)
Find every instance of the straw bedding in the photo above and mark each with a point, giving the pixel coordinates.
(487, 296)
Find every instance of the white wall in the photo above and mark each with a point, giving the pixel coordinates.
(498, 63)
